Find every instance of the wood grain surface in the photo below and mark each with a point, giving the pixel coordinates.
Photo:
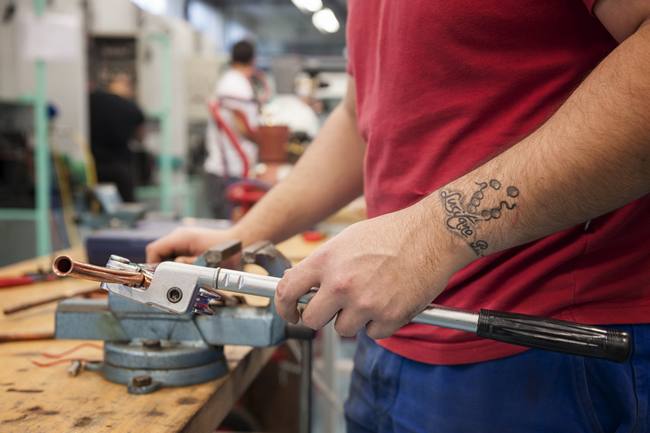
(48, 400)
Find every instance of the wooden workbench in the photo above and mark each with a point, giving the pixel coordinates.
(36, 399)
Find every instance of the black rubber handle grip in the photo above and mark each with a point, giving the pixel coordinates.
(554, 335)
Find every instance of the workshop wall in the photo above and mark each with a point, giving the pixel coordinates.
(66, 77)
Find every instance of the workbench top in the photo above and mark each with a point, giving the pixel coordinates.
(47, 399)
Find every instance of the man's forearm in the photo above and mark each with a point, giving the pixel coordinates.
(592, 156)
(328, 176)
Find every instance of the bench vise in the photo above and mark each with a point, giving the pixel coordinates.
(146, 348)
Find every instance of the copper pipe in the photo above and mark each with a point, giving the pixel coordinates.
(65, 266)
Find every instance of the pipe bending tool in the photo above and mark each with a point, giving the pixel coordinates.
(185, 290)
(167, 325)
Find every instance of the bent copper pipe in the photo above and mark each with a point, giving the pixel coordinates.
(65, 266)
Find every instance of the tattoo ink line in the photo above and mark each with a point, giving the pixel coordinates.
(463, 220)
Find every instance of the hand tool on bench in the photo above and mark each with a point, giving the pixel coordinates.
(13, 309)
(26, 279)
(7, 337)
(183, 289)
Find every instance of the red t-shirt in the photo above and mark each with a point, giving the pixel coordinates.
(443, 86)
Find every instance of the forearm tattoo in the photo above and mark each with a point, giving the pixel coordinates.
(463, 219)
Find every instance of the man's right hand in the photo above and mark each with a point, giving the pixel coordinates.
(185, 243)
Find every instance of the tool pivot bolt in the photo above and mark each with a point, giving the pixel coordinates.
(141, 381)
(174, 295)
(151, 344)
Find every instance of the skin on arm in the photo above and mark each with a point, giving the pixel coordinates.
(622, 17)
(328, 176)
(592, 156)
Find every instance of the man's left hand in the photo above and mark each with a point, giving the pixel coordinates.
(376, 274)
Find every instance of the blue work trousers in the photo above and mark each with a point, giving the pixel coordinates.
(535, 391)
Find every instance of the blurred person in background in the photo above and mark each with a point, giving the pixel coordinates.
(115, 121)
(239, 108)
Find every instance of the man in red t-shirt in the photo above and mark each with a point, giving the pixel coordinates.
(504, 150)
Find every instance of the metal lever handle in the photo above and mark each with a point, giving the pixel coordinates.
(520, 329)
(532, 331)
(554, 335)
